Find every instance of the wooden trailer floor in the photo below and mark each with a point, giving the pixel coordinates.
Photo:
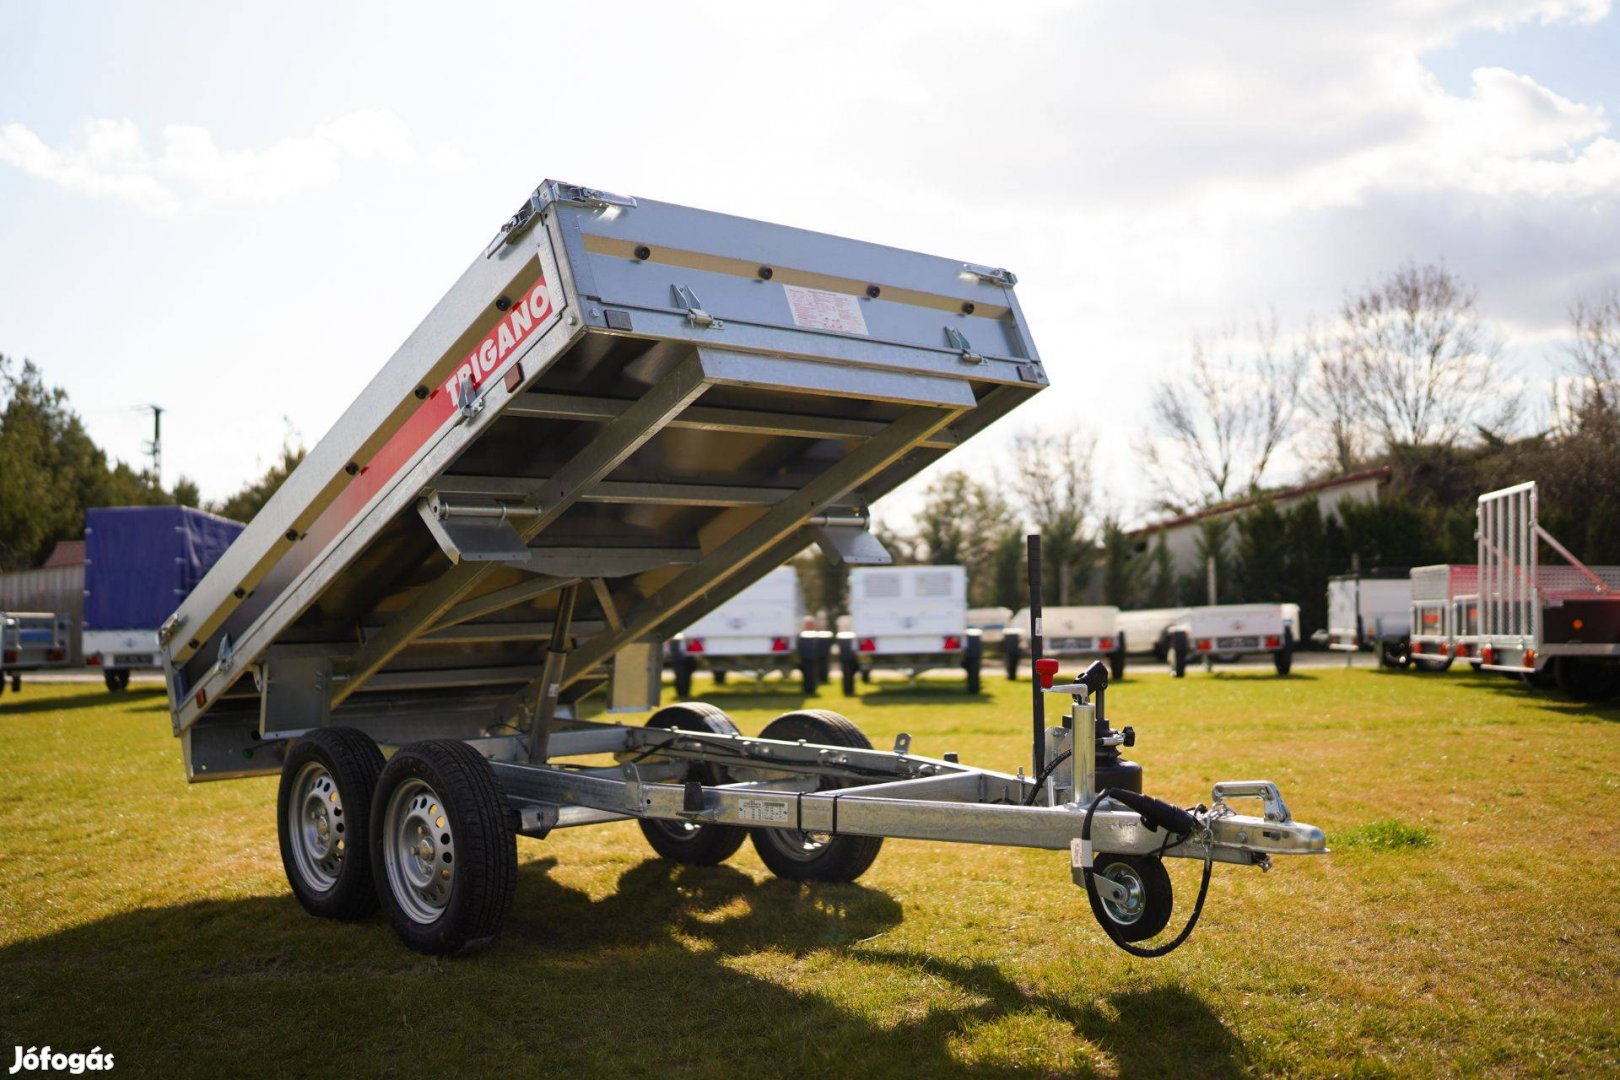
(1467, 922)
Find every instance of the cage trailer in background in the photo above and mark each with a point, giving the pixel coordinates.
(1550, 623)
(140, 562)
(1445, 616)
(623, 414)
(759, 631)
(1371, 612)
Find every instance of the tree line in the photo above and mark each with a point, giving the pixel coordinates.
(52, 471)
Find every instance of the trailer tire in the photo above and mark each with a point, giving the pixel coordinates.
(847, 667)
(1013, 657)
(1152, 899)
(1586, 680)
(1116, 661)
(809, 667)
(116, 680)
(443, 792)
(973, 663)
(791, 854)
(684, 667)
(328, 780)
(1178, 654)
(1283, 658)
(694, 845)
(16, 684)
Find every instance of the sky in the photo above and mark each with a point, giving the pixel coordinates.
(239, 211)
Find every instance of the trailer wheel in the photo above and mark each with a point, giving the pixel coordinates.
(973, 664)
(1178, 655)
(16, 684)
(848, 666)
(809, 667)
(679, 841)
(110, 677)
(444, 847)
(1147, 909)
(1116, 662)
(323, 809)
(1014, 654)
(1586, 680)
(866, 675)
(807, 856)
(684, 667)
(1284, 658)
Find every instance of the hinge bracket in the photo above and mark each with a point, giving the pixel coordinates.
(960, 343)
(687, 299)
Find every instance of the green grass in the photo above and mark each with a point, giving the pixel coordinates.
(151, 918)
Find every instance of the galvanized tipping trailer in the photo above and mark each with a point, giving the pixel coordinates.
(622, 414)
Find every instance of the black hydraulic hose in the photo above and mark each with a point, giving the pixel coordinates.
(1051, 767)
(1096, 900)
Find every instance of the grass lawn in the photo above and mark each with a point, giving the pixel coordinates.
(1468, 920)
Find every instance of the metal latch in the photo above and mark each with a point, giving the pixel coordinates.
(550, 192)
(960, 343)
(687, 299)
(468, 399)
(170, 627)
(995, 275)
(227, 652)
(1271, 801)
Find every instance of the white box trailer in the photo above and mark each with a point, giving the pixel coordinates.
(991, 623)
(32, 641)
(760, 630)
(1371, 613)
(621, 415)
(1229, 631)
(1553, 624)
(1070, 633)
(1147, 630)
(911, 619)
(1445, 616)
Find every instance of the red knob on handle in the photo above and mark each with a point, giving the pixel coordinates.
(1047, 669)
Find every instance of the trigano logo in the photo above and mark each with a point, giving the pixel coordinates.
(523, 319)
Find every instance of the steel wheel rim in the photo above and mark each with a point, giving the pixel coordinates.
(419, 850)
(801, 846)
(315, 825)
(1135, 904)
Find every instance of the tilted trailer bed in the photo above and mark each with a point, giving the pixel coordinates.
(621, 415)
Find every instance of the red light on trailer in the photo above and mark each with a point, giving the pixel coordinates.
(94, 659)
(1203, 645)
(55, 654)
(694, 644)
(1530, 658)
(1465, 650)
(868, 644)
(1106, 645)
(1487, 655)
(1417, 647)
(1444, 648)
(1273, 641)
(952, 643)
(11, 656)
(779, 644)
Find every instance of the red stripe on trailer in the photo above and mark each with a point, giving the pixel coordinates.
(439, 407)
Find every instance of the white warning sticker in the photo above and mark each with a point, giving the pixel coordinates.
(761, 810)
(818, 310)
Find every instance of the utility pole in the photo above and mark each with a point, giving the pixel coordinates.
(155, 447)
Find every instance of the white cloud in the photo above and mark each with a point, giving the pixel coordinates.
(112, 161)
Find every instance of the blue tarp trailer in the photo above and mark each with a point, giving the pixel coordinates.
(140, 562)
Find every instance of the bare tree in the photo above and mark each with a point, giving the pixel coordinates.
(1332, 396)
(1220, 421)
(1423, 361)
(1594, 354)
(1053, 481)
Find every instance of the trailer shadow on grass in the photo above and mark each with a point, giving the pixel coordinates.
(10, 705)
(683, 970)
(1512, 691)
